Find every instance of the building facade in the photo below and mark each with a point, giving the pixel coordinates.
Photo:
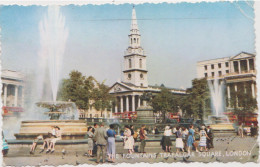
(135, 79)
(12, 88)
(238, 72)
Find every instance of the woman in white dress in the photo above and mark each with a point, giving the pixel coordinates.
(179, 142)
(128, 145)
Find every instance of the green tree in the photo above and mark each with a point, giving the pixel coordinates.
(242, 101)
(199, 97)
(102, 99)
(77, 89)
(163, 101)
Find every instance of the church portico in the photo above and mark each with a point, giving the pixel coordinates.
(127, 102)
(12, 88)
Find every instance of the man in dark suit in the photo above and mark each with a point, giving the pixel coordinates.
(211, 138)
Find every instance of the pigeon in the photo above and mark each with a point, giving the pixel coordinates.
(217, 159)
(226, 149)
(77, 163)
(166, 158)
(63, 151)
(175, 158)
(227, 142)
(184, 159)
(212, 156)
(253, 156)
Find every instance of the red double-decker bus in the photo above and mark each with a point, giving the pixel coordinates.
(126, 115)
(11, 111)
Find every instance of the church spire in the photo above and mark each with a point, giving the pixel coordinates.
(134, 26)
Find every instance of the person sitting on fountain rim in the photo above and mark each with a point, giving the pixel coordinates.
(47, 139)
(54, 140)
(34, 145)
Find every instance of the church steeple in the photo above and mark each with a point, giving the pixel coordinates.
(134, 26)
(135, 60)
(134, 36)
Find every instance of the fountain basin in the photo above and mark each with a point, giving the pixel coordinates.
(220, 123)
(71, 129)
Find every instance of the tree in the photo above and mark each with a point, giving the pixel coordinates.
(199, 97)
(102, 99)
(81, 89)
(77, 89)
(163, 101)
(242, 101)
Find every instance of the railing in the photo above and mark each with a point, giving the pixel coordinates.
(108, 120)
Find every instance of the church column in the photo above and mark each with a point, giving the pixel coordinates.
(139, 101)
(236, 95)
(127, 103)
(116, 109)
(248, 66)
(228, 93)
(5, 93)
(16, 95)
(239, 68)
(22, 102)
(253, 89)
(121, 104)
(232, 70)
(133, 103)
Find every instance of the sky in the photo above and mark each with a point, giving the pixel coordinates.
(174, 36)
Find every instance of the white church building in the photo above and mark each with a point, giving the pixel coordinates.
(135, 75)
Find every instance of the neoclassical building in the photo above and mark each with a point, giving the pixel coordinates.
(238, 72)
(12, 88)
(135, 74)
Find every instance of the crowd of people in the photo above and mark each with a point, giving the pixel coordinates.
(102, 140)
(201, 139)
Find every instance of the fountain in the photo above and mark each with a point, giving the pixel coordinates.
(53, 37)
(218, 121)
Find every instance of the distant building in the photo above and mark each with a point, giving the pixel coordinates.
(12, 88)
(238, 72)
(135, 75)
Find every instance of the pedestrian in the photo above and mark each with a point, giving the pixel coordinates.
(132, 136)
(203, 139)
(94, 151)
(167, 140)
(100, 136)
(185, 133)
(128, 140)
(211, 137)
(196, 139)
(142, 139)
(179, 142)
(156, 131)
(90, 141)
(240, 130)
(35, 142)
(191, 139)
(136, 134)
(111, 149)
